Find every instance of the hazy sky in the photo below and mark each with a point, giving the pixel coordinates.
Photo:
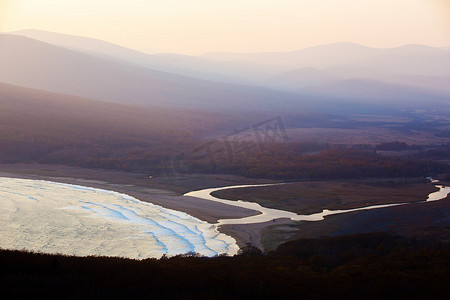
(197, 26)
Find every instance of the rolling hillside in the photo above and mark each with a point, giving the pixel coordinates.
(42, 126)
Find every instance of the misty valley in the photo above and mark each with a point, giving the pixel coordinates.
(318, 172)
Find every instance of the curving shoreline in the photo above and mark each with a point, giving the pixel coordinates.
(53, 217)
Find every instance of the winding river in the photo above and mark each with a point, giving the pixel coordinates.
(269, 214)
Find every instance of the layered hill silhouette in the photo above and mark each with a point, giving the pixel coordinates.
(414, 65)
(319, 78)
(34, 64)
(239, 72)
(352, 55)
(343, 60)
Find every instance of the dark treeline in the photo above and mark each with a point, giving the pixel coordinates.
(370, 266)
(438, 153)
(289, 162)
(392, 146)
(285, 161)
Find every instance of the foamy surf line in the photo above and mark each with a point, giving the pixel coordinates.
(52, 217)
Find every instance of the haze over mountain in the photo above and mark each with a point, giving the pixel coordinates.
(318, 78)
(368, 91)
(341, 54)
(31, 63)
(298, 79)
(315, 57)
(414, 65)
(168, 62)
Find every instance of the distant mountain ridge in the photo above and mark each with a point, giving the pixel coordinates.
(191, 66)
(325, 56)
(314, 78)
(31, 63)
(346, 60)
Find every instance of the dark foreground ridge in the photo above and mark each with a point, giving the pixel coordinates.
(375, 265)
